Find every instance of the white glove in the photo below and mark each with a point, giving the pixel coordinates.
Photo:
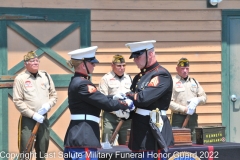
(119, 96)
(122, 114)
(193, 103)
(190, 111)
(37, 117)
(131, 106)
(44, 109)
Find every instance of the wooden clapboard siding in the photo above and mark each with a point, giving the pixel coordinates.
(106, 47)
(166, 36)
(152, 25)
(209, 118)
(209, 109)
(195, 34)
(149, 14)
(167, 57)
(121, 4)
(211, 87)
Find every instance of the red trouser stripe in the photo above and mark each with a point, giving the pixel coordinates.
(87, 154)
(159, 157)
(210, 151)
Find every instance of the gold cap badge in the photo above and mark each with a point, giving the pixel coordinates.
(118, 59)
(183, 62)
(30, 55)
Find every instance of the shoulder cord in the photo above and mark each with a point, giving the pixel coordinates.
(48, 80)
(196, 83)
(130, 78)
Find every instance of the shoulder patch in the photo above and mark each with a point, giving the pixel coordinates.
(154, 82)
(91, 89)
(179, 84)
(28, 84)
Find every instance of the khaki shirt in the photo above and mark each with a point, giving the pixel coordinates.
(29, 93)
(110, 84)
(185, 90)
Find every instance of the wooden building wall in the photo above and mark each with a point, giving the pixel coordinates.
(182, 28)
(195, 34)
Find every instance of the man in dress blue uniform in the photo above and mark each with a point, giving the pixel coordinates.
(85, 103)
(151, 89)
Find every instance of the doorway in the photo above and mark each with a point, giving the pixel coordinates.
(230, 74)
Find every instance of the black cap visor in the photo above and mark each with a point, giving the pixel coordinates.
(137, 53)
(92, 60)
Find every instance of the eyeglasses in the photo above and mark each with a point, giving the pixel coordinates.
(32, 61)
(119, 65)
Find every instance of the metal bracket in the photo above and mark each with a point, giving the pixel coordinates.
(19, 16)
(6, 81)
(6, 84)
(7, 77)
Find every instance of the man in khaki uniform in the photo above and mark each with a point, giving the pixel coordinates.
(187, 95)
(33, 95)
(114, 82)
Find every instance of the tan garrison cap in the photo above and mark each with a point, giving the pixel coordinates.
(183, 62)
(118, 59)
(30, 55)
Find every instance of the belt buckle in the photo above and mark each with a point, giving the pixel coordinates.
(181, 113)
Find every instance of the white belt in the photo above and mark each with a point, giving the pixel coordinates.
(145, 112)
(82, 117)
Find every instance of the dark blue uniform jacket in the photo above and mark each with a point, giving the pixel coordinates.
(83, 98)
(153, 89)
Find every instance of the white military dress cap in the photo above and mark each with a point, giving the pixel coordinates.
(87, 54)
(138, 48)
